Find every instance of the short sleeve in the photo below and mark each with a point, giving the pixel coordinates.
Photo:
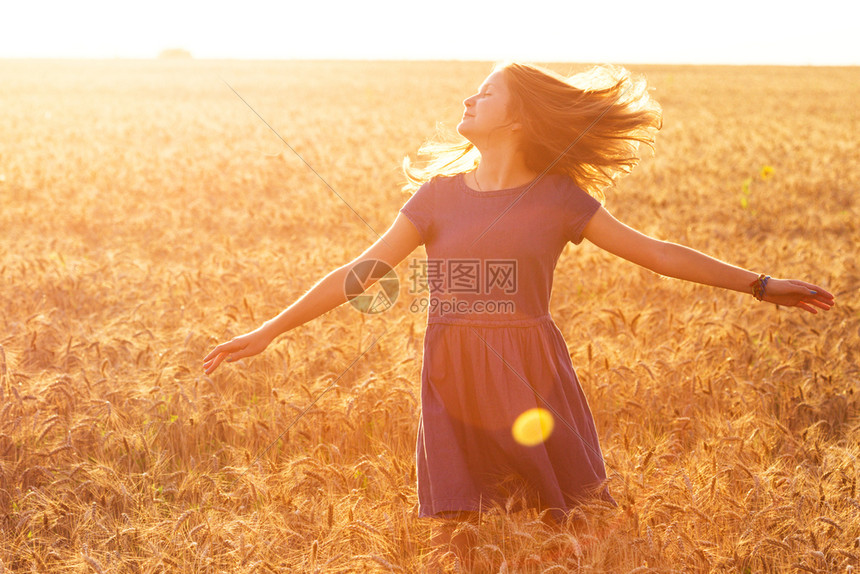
(419, 210)
(579, 207)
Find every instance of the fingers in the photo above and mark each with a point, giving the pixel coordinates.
(806, 307)
(828, 300)
(819, 292)
(230, 351)
(812, 297)
(822, 304)
(820, 298)
(216, 351)
(210, 366)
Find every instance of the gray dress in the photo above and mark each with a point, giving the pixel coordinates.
(492, 351)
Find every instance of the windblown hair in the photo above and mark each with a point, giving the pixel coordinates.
(588, 126)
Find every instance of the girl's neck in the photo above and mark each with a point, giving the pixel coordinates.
(502, 172)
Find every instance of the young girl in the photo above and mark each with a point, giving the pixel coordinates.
(502, 411)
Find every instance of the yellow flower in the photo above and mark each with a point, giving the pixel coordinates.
(766, 172)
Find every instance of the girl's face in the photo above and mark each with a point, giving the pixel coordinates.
(487, 111)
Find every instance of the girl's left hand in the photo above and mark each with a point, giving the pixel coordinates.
(795, 293)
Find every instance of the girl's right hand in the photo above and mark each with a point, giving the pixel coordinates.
(237, 348)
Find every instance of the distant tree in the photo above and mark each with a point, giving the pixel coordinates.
(174, 54)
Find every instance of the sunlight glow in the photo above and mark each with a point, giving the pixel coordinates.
(533, 426)
(731, 32)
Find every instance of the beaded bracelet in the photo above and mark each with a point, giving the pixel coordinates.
(759, 285)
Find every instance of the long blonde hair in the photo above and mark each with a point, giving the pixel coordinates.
(588, 126)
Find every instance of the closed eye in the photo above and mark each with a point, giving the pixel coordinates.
(487, 89)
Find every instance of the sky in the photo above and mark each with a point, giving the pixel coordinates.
(617, 31)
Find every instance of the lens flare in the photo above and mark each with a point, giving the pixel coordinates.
(533, 426)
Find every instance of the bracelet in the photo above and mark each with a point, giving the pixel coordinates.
(759, 285)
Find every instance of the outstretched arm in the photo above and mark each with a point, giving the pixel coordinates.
(400, 240)
(673, 260)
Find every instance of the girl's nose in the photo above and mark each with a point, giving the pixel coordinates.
(468, 101)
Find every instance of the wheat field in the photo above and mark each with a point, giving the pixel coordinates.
(148, 214)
